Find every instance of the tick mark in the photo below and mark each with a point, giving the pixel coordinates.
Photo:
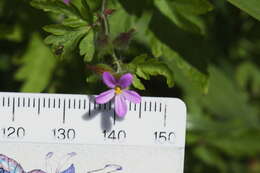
(39, 105)
(140, 109)
(13, 108)
(165, 115)
(33, 102)
(64, 110)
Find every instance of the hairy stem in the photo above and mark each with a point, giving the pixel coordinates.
(107, 31)
(117, 62)
(104, 17)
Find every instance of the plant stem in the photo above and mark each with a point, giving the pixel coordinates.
(104, 17)
(107, 31)
(117, 62)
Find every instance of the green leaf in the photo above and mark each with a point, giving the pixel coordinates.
(248, 74)
(69, 40)
(182, 69)
(145, 67)
(196, 7)
(92, 78)
(74, 23)
(57, 7)
(87, 47)
(252, 7)
(137, 83)
(57, 29)
(38, 64)
(86, 12)
(184, 19)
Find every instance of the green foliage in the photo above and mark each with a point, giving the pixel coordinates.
(183, 12)
(38, 64)
(249, 6)
(87, 46)
(145, 67)
(57, 7)
(204, 52)
(68, 34)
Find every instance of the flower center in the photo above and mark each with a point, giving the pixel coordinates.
(118, 90)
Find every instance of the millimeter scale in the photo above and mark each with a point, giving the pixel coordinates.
(65, 133)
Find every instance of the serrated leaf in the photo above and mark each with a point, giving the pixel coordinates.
(145, 67)
(37, 67)
(183, 69)
(87, 47)
(153, 67)
(249, 6)
(57, 7)
(69, 40)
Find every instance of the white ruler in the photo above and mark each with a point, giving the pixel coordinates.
(150, 138)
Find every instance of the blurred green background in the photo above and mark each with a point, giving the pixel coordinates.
(212, 49)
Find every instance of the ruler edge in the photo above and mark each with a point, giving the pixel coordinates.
(167, 102)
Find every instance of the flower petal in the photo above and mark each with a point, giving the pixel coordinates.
(109, 80)
(125, 80)
(120, 106)
(66, 1)
(104, 97)
(132, 96)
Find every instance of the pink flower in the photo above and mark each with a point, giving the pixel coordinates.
(66, 1)
(119, 92)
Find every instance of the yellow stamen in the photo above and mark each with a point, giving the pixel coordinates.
(118, 90)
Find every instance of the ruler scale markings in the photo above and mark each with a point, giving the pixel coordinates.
(23, 102)
(54, 102)
(59, 103)
(114, 117)
(64, 111)
(110, 105)
(8, 102)
(84, 104)
(18, 102)
(146, 107)
(13, 108)
(89, 108)
(165, 115)
(39, 106)
(69, 103)
(140, 109)
(3, 101)
(33, 102)
(29, 102)
(43, 102)
(95, 105)
(49, 102)
(74, 103)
